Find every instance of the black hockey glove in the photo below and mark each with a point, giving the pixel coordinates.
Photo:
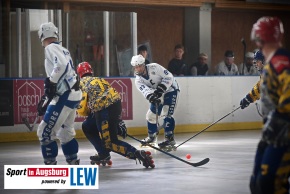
(245, 102)
(49, 88)
(160, 90)
(276, 129)
(42, 105)
(153, 98)
(122, 129)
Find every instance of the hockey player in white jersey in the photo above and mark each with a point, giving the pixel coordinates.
(61, 98)
(158, 86)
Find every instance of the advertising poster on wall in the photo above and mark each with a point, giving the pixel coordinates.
(27, 94)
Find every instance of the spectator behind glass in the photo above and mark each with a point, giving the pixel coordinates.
(200, 67)
(177, 66)
(249, 68)
(142, 50)
(227, 66)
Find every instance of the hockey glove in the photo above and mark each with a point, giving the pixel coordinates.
(49, 88)
(160, 90)
(42, 105)
(276, 129)
(245, 102)
(122, 129)
(153, 99)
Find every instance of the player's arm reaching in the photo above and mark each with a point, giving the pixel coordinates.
(252, 96)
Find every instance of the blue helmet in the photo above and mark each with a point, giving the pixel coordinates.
(259, 56)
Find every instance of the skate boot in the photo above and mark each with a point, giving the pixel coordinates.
(151, 140)
(50, 162)
(168, 144)
(101, 159)
(145, 158)
(73, 162)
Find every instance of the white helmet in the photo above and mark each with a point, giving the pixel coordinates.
(47, 30)
(250, 55)
(137, 60)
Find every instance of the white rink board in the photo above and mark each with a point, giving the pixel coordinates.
(202, 100)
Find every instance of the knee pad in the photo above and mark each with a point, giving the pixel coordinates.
(151, 122)
(151, 117)
(70, 149)
(49, 151)
(169, 125)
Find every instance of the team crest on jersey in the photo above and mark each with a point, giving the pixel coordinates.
(153, 73)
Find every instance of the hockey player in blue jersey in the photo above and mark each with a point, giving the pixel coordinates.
(62, 96)
(160, 88)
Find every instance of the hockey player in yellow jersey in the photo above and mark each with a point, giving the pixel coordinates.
(101, 104)
(254, 94)
(272, 162)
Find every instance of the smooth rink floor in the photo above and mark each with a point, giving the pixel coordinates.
(231, 156)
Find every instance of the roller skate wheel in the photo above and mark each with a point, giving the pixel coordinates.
(152, 161)
(92, 162)
(153, 166)
(110, 163)
(148, 152)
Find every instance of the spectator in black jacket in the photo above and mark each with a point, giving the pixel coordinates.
(200, 67)
(177, 66)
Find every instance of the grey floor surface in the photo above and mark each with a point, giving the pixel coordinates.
(231, 156)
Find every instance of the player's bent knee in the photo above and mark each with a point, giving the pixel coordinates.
(151, 117)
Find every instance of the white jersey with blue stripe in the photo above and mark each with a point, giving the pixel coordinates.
(155, 74)
(59, 67)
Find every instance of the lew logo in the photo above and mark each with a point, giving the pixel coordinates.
(27, 96)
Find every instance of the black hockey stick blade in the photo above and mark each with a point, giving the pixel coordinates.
(197, 164)
(26, 123)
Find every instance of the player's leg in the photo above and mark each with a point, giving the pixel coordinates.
(90, 129)
(152, 124)
(170, 102)
(257, 166)
(275, 169)
(46, 132)
(110, 119)
(66, 135)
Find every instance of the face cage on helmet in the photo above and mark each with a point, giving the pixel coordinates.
(256, 65)
(139, 73)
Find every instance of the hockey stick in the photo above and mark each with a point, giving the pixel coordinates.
(245, 47)
(197, 164)
(25, 121)
(207, 127)
(157, 118)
